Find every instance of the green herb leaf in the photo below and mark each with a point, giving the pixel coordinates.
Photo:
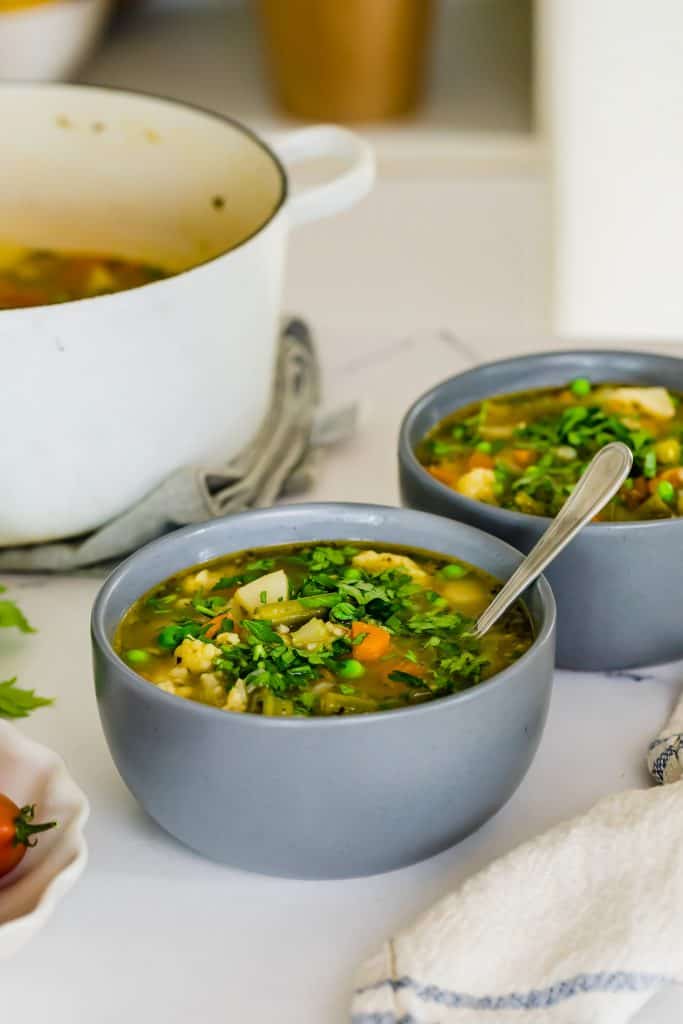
(18, 703)
(263, 632)
(12, 616)
(405, 677)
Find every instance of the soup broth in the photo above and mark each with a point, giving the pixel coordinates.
(42, 277)
(330, 629)
(526, 451)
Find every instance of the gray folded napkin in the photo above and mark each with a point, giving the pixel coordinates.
(280, 460)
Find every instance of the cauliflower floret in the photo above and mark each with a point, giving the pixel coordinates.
(237, 698)
(195, 655)
(178, 674)
(655, 402)
(374, 561)
(228, 638)
(211, 688)
(201, 580)
(479, 484)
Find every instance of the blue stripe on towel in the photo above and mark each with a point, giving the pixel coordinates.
(382, 1018)
(536, 999)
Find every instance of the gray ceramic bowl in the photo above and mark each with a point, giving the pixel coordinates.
(618, 585)
(321, 798)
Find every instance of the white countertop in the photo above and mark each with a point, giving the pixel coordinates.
(428, 272)
(153, 932)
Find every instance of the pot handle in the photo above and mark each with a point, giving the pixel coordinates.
(346, 188)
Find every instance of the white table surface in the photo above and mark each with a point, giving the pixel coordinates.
(404, 290)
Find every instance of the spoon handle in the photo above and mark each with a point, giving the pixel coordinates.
(601, 480)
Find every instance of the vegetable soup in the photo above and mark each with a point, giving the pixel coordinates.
(526, 451)
(42, 277)
(329, 629)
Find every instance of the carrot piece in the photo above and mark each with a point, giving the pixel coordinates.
(673, 475)
(444, 474)
(401, 665)
(374, 644)
(524, 457)
(215, 624)
(480, 460)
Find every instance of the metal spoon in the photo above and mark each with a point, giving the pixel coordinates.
(601, 480)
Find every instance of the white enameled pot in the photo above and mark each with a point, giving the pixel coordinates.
(104, 397)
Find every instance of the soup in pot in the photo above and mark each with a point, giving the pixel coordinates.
(42, 277)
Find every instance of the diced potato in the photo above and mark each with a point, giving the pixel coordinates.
(376, 562)
(201, 580)
(100, 279)
(654, 508)
(468, 595)
(655, 402)
(195, 655)
(679, 503)
(315, 632)
(479, 484)
(668, 452)
(237, 697)
(275, 587)
(167, 686)
(497, 432)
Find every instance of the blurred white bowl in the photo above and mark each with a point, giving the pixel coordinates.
(50, 41)
(33, 774)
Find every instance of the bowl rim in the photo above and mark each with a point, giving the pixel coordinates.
(408, 460)
(21, 928)
(102, 643)
(173, 101)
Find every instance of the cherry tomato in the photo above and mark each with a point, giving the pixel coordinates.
(17, 832)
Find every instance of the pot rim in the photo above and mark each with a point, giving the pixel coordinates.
(409, 461)
(102, 643)
(196, 108)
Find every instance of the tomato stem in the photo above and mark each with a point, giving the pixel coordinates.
(24, 829)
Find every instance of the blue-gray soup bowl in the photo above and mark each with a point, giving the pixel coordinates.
(321, 797)
(617, 585)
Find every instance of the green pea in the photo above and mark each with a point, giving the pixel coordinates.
(169, 637)
(485, 447)
(453, 571)
(351, 669)
(137, 657)
(666, 491)
(352, 574)
(580, 387)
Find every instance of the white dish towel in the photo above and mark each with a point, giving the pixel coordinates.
(582, 925)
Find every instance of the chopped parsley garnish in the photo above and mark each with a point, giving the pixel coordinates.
(347, 635)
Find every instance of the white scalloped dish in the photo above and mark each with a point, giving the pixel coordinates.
(33, 774)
